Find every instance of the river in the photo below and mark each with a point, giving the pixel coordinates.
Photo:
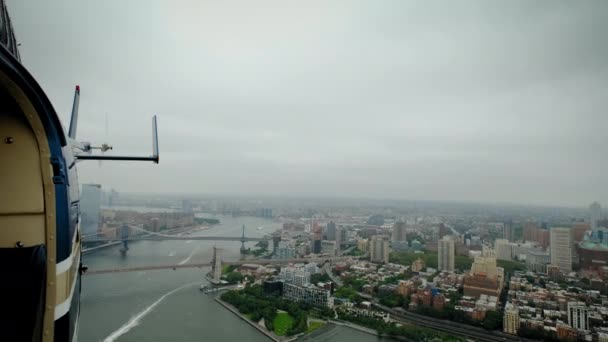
(166, 305)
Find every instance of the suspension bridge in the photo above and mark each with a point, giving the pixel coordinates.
(126, 233)
(319, 260)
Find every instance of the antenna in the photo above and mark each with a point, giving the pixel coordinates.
(154, 139)
(74, 118)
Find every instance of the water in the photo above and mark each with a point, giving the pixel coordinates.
(166, 305)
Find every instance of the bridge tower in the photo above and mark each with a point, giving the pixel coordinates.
(216, 267)
(123, 233)
(243, 241)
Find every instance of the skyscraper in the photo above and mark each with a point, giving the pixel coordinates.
(596, 215)
(379, 249)
(446, 254)
(216, 266)
(399, 231)
(316, 238)
(508, 231)
(561, 249)
(331, 231)
(443, 230)
(338, 233)
(90, 208)
(503, 249)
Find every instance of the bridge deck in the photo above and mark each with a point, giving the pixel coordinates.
(200, 265)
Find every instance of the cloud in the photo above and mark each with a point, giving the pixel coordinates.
(468, 100)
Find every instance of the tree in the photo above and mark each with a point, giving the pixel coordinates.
(234, 277)
(319, 277)
(346, 292)
(493, 320)
(463, 263)
(262, 244)
(390, 299)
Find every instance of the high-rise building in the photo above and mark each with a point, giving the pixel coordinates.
(285, 250)
(486, 266)
(443, 230)
(363, 245)
(338, 241)
(537, 261)
(379, 248)
(485, 277)
(511, 319)
(578, 230)
(534, 233)
(399, 231)
(90, 208)
(297, 274)
(530, 231)
(508, 231)
(328, 247)
(331, 231)
(187, 206)
(445, 254)
(503, 249)
(316, 238)
(561, 249)
(596, 215)
(578, 315)
(216, 269)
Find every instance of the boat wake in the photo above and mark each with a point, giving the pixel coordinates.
(189, 256)
(135, 320)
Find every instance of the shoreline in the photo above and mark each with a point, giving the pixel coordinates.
(261, 329)
(299, 337)
(357, 327)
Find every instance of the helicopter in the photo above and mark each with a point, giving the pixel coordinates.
(40, 238)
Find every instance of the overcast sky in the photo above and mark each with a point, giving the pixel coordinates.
(448, 100)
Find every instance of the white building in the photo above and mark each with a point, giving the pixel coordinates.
(561, 249)
(379, 248)
(537, 261)
(298, 274)
(578, 315)
(301, 278)
(503, 249)
(311, 268)
(285, 250)
(309, 294)
(446, 254)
